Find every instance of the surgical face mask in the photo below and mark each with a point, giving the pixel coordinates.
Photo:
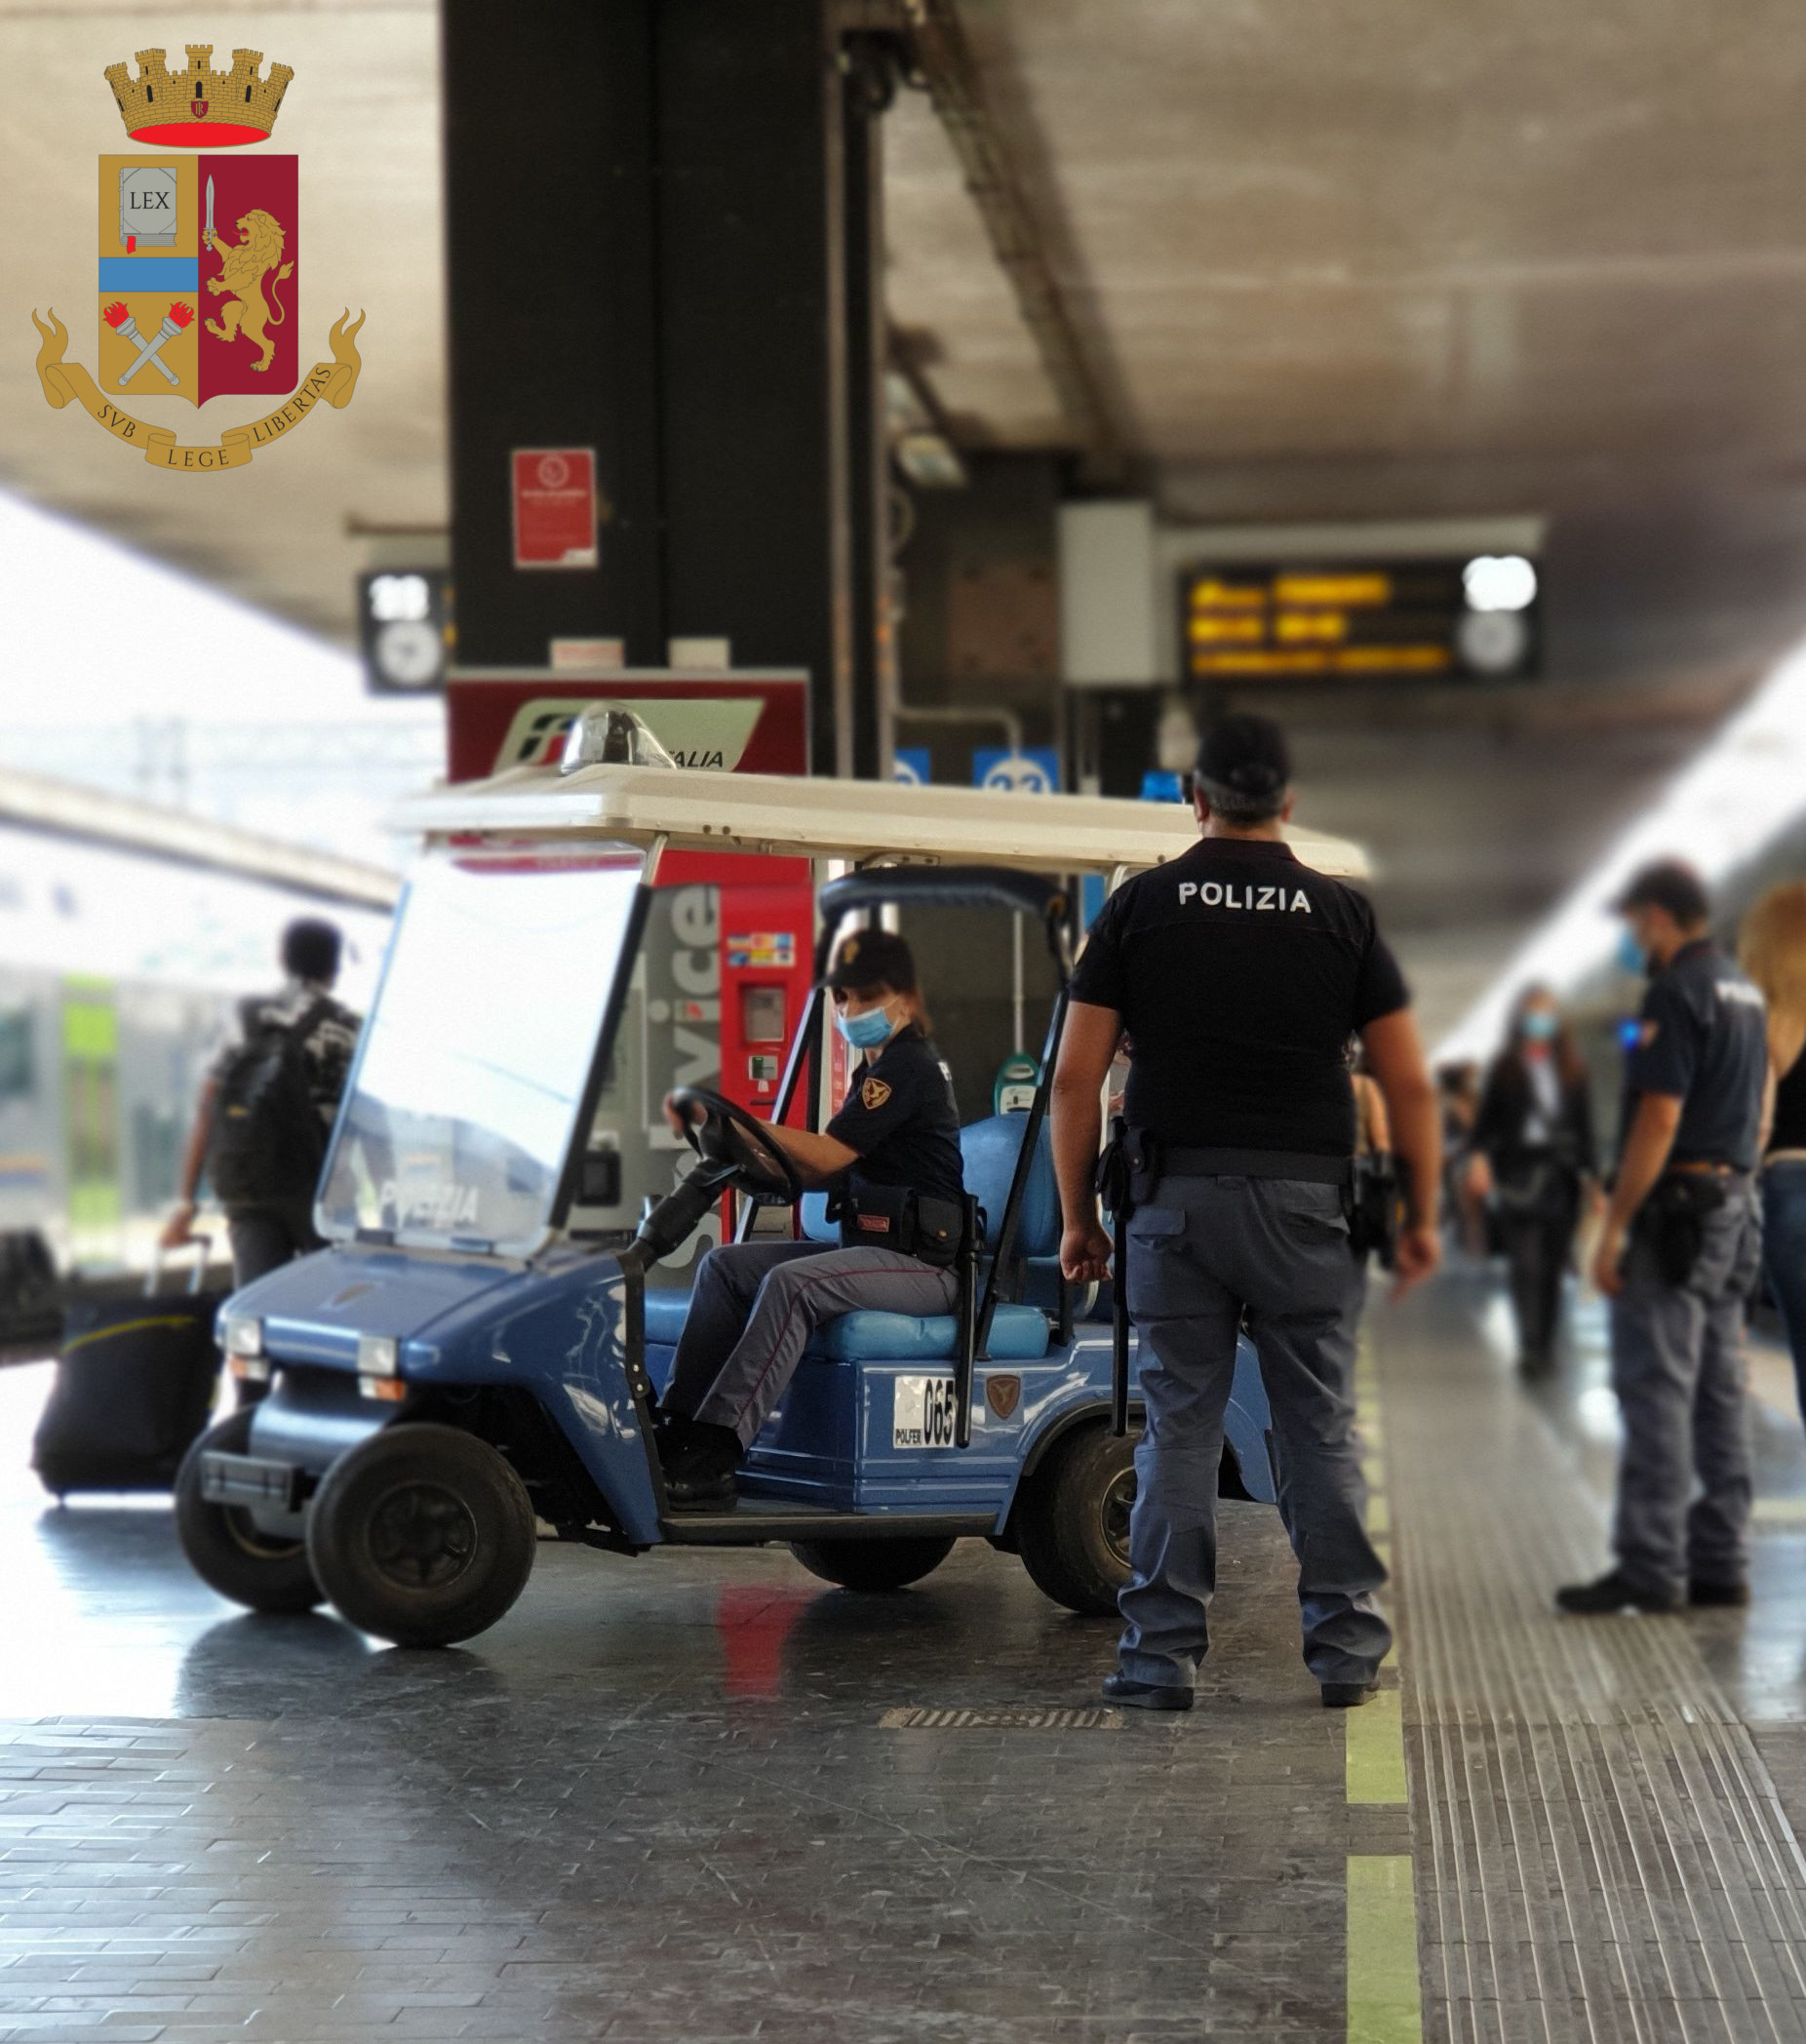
(865, 1032)
(1540, 1025)
(1631, 957)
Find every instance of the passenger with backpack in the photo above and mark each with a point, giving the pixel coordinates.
(267, 1109)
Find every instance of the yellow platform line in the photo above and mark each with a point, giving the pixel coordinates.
(1374, 1751)
(1384, 2004)
(1780, 1512)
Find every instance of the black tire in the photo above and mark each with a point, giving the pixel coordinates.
(1072, 1527)
(224, 1548)
(872, 1564)
(422, 1535)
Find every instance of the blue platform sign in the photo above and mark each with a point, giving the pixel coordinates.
(1035, 770)
(910, 766)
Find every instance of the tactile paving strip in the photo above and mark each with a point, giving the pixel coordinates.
(1601, 1852)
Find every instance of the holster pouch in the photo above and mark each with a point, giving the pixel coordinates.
(897, 1217)
(1371, 1205)
(1114, 1179)
(1672, 1221)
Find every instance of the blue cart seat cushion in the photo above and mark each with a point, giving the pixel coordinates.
(1018, 1333)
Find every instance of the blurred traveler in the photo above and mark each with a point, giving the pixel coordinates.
(1535, 1129)
(1677, 1257)
(1373, 1129)
(267, 1109)
(1467, 1175)
(1241, 974)
(1774, 954)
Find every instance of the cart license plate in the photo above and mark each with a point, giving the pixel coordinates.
(924, 1413)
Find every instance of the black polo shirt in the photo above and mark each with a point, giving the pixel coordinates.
(1703, 1039)
(1239, 975)
(899, 1115)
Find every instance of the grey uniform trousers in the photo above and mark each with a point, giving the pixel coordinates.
(755, 1307)
(1678, 1367)
(1201, 1252)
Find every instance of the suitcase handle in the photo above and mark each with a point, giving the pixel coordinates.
(153, 1277)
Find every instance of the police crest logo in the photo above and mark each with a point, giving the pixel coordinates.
(873, 1094)
(1001, 1394)
(197, 266)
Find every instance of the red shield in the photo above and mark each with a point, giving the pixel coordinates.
(1002, 1395)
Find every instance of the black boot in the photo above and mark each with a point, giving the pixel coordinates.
(1612, 1592)
(699, 1462)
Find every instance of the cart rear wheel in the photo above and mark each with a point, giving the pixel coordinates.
(871, 1564)
(422, 1535)
(223, 1546)
(1073, 1524)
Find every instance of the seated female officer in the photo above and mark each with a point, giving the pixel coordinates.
(893, 1153)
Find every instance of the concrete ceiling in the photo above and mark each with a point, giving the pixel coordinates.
(1395, 260)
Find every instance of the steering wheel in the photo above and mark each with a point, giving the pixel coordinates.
(728, 1135)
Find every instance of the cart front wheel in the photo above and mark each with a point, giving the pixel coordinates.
(422, 1535)
(224, 1548)
(871, 1564)
(1073, 1523)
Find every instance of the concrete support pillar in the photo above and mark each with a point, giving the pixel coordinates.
(660, 231)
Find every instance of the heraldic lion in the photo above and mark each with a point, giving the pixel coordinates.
(247, 261)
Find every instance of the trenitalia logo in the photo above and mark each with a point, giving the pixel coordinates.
(1222, 895)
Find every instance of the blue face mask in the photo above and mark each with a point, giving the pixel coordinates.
(1540, 1025)
(1631, 957)
(867, 1031)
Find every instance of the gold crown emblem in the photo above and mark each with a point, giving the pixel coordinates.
(199, 109)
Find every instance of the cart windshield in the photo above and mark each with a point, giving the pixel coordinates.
(476, 1059)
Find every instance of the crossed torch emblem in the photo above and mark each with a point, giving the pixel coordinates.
(119, 317)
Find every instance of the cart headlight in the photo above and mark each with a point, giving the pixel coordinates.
(243, 1335)
(379, 1356)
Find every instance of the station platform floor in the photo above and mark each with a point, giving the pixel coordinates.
(707, 1797)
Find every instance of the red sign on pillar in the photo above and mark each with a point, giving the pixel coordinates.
(554, 507)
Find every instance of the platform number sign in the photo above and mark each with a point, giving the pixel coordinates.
(910, 766)
(1033, 771)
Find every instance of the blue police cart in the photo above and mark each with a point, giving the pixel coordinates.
(477, 1353)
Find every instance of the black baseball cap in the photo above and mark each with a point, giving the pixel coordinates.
(1666, 883)
(1246, 754)
(872, 958)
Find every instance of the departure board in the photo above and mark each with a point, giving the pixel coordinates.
(1420, 620)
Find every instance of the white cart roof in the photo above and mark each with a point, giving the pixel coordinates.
(821, 818)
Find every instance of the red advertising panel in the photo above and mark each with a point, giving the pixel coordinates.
(554, 494)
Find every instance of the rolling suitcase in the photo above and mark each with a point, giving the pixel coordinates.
(135, 1384)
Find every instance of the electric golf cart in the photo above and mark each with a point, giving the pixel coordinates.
(478, 1352)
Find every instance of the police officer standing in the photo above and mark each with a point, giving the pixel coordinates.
(1239, 975)
(1678, 1259)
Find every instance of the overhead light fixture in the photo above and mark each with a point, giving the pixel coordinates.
(1499, 582)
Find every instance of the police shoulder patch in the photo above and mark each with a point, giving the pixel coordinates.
(873, 1095)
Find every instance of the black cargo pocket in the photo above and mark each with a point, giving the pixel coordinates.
(1315, 1212)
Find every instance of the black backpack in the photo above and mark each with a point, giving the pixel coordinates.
(267, 1140)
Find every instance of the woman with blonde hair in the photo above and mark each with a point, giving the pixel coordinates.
(1773, 953)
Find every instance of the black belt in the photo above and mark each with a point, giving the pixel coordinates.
(1311, 1166)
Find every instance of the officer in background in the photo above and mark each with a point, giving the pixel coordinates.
(1239, 975)
(1679, 1258)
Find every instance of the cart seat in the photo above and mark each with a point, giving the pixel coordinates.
(1019, 1333)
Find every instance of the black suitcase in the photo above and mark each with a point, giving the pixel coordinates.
(135, 1384)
